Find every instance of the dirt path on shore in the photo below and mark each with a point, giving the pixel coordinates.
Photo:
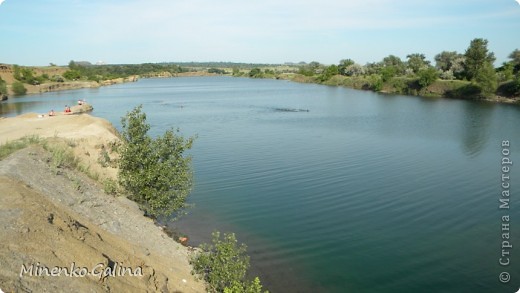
(60, 217)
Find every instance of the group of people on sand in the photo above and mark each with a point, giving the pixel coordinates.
(67, 110)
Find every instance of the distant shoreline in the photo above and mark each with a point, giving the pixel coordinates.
(448, 89)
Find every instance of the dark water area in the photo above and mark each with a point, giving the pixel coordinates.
(333, 189)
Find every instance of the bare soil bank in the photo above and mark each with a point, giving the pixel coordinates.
(62, 218)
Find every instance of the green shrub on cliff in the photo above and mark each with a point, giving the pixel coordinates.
(18, 88)
(26, 75)
(223, 265)
(3, 87)
(155, 172)
(245, 287)
(72, 75)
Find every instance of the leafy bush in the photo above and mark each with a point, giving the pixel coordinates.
(447, 75)
(256, 72)
(511, 88)
(18, 88)
(26, 75)
(388, 72)
(245, 287)
(487, 79)
(155, 172)
(110, 186)
(400, 85)
(72, 74)
(223, 265)
(236, 72)
(375, 82)
(57, 78)
(216, 71)
(427, 76)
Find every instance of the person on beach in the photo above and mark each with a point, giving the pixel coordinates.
(80, 102)
(51, 112)
(67, 110)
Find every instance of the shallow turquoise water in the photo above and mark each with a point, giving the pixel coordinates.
(363, 193)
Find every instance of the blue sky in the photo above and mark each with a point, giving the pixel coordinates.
(267, 31)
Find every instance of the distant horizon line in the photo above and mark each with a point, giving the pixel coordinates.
(101, 63)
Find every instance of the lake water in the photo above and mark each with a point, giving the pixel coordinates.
(363, 192)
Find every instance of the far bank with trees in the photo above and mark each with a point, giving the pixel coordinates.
(470, 75)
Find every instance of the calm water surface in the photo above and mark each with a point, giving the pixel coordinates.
(361, 193)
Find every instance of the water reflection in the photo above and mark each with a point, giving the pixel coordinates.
(17, 108)
(34, 103)
(476, 120)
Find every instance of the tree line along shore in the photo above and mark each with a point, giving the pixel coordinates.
(471, 75)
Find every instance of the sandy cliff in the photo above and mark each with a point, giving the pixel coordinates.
(63, 219)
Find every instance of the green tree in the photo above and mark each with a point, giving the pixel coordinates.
(395, 62)
(417, 61)
(388, 73)
(18, 88)
(457, 67)
(344, 64)
(329, 72)
(506, 71)
(445, 60)
(305, 70)
(477, 55)
(354, 70)
(515, 60)
(155, 172)
(388, 68)
(73, 65)
(373, 68)
(223, 265)
(427, 76)
(315, 66)
(486, 78)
